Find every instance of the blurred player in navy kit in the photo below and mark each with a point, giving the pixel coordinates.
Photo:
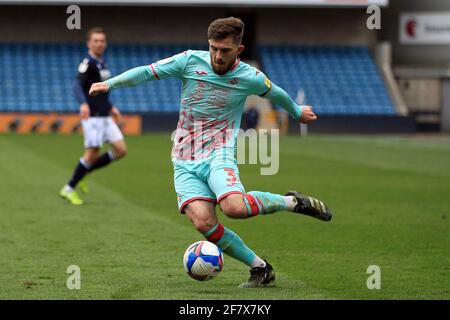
(251, 117)
(97, 115)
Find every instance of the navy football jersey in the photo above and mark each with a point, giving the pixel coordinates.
(93, 70)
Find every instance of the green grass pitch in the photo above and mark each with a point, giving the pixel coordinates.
(390, 197)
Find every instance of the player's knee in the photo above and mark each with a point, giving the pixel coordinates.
(202, 221)
(202, 224)
(91, 157)
(120, 152)
(233, 209)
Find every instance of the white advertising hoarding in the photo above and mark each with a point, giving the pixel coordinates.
(425, 28)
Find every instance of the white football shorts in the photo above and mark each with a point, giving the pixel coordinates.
(100, 130)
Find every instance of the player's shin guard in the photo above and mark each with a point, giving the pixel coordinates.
(103, 160)
(82, 168)
(231, 244)
(258, 202)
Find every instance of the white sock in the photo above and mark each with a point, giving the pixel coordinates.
(68, 188)
(258, 262)
(291, 202)
(85, 164)
(111, 155)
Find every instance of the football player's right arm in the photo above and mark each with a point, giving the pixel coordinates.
(173, 66)
(129, 78)
(82, 78)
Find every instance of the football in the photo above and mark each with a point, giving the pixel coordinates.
(203, 260)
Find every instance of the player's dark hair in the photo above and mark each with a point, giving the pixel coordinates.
(226, 27)
(94, 30)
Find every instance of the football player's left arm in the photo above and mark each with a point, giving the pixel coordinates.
(116, 114)
(303, 114)
(266, 89)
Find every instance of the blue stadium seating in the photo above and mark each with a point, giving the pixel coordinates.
(335, 80)
(39, 77)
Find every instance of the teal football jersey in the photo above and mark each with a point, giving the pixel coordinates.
(211, 105)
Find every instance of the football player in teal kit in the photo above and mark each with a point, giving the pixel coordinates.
(215, 85)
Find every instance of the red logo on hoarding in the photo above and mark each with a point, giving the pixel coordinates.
(410, 27)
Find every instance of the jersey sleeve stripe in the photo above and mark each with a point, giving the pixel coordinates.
(154, 72)
(265, 94)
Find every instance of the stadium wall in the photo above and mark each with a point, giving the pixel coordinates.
(353, 124)
(421, 69)
(413, 54)
(186, 25)
(342, 124)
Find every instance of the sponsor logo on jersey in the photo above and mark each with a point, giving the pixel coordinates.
(201, 73)
(234, 81)
(83, 66)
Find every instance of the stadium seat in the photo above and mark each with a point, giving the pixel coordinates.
(40, 77)
(335, 80)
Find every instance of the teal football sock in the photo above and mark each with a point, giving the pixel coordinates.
(231, 244)
(258, 202)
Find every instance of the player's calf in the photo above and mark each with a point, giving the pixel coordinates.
(258, 202)
(108, 157)
(242, 206)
